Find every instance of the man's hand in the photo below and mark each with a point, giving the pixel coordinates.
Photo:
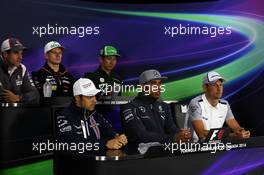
(10, 97)
(122, 138)
(113, 144)
(241, 133)
(184, 135)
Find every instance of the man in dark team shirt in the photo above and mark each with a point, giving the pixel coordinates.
(105, 78)
(79, 123)
(147, 118)
(54, 72)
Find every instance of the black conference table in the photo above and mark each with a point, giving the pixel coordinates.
(155, 161)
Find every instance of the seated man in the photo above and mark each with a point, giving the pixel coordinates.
(16, 86)
(147, 118)
(79, 123)
(209, 111)
(60, 79)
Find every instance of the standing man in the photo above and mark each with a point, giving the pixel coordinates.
(147, 118)
(16, 86)
(53, 71)
(209, 111)
(79, 123)
(105, 78)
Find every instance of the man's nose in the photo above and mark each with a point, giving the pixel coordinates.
(94, 99)
(112, 61)
(158, 87)
(218, 87)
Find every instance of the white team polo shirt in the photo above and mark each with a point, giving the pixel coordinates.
(211, 116)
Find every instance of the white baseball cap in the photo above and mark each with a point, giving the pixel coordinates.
(84, 86)
(212, 77)
(52, 45)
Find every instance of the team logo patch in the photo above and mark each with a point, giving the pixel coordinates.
(19, 82)
(161, 109)
(193, 109)
(142, 108)
(87, 85)
(205, 118)
(66, 129)
(54, 87)
(156, 74)
(101, 80)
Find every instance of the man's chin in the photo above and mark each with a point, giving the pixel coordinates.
(17, 64)
(110, 68)
(90, 108)
(57, 63)
(156, 96)
(218, 97)
(93, 108)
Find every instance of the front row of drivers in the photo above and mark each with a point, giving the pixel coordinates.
(146, 118)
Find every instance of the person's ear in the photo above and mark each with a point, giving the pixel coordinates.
(46, 56)
(101, 59)
(205, 87)
(5, 54)
(77, 100)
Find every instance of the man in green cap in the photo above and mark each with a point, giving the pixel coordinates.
(105, 78)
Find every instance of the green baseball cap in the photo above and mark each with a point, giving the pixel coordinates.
(109, 51)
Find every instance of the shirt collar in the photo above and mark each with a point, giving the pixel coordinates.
(11, 70)
(61, 68)
(147, 99)
(81, 111)
(208, 103)
(104, 72)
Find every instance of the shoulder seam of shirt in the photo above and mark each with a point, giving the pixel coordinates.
(223, 102)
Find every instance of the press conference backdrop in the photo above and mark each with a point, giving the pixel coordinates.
(182, 40)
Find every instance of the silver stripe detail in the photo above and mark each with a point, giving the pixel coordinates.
(84, 130)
